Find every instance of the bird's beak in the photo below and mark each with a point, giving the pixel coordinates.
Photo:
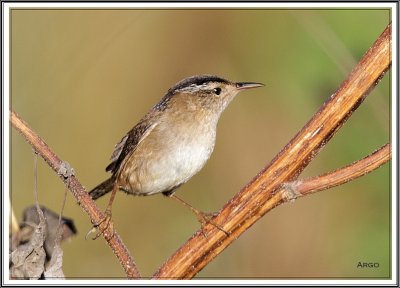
(248, 85)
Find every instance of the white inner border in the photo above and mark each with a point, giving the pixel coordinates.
(6, 152)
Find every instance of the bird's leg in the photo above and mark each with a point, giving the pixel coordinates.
(107, 216)
(203, 218)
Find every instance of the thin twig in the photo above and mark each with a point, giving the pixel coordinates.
(82, 197)
(251, 203)
(36, 194)
(59, 226)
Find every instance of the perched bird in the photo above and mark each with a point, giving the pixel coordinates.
(172, 142)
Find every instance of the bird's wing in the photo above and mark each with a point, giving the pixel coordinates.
(129, 143)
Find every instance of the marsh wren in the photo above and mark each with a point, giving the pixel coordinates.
(172, 142)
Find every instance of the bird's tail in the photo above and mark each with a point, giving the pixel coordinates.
(103, 188)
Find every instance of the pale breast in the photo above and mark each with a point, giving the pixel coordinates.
(169, 156)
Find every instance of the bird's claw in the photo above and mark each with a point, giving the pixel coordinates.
(102, 226)
(206, 218)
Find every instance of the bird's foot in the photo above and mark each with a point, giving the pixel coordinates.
(102, 226)
(203, 218)
(206, 218)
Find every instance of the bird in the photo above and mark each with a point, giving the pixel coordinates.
(172, 142)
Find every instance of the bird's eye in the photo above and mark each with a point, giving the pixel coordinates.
(217, 90)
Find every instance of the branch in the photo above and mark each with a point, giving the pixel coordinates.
(299, 188)
(251, 203)
(353, 171)
(81, 196)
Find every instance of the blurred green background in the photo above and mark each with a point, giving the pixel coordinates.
(83, 78)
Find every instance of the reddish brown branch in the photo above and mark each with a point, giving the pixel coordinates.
(251, 203)
(300, 188)
(82, 197)
(343, 175)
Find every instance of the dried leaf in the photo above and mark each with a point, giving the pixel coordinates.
(27, 261)
(54, 268)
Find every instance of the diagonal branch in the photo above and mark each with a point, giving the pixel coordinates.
(251, 203)
(78, 191)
